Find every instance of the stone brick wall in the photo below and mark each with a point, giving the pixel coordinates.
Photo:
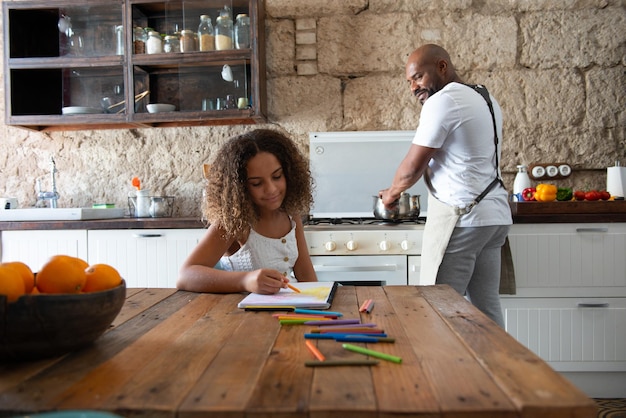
(557, 67)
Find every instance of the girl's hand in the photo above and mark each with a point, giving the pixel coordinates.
(264, 281)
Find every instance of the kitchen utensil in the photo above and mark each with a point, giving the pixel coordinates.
(8, 203)
(160, 107)
(139, 203)
(616, 180)
(205, 170)
(407, 207)
(161, 206)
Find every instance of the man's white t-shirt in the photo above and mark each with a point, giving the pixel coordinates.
(457, 121)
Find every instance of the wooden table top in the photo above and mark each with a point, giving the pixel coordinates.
(179, 354)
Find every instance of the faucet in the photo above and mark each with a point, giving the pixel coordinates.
(52, 196)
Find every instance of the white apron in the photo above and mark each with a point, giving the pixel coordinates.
(440, 223)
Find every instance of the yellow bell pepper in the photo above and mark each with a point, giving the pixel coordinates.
(545, 193)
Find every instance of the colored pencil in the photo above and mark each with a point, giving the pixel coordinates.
(372, 353)
(295, 289)
(313, 349)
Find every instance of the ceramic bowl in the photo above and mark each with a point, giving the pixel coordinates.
(40, 326)
(160, 107)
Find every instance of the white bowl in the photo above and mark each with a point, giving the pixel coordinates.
(160, 107)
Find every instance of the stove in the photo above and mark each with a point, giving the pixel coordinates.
(346, 243)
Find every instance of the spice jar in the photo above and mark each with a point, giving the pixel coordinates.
(171, 44)
(242, 31)
(187, 41)
(140, 37)
(206, 37)
(154, 44)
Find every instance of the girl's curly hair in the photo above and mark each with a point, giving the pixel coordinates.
(227, 202)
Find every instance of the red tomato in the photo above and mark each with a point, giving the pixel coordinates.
(579, 195)
(604, 195)
(592, 195)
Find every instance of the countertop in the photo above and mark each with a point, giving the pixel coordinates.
(185, 223)
(181, 354)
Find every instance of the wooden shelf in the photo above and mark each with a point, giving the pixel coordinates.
(44, 74)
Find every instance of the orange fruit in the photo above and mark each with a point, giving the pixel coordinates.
(11, 283)
(62, 274)
(25, 272)
(101, 277)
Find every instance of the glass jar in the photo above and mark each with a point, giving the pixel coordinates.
(171, 44)
(154, 44)
(242, 31)
(187, 41)
(140, 36)
(119, 40)
(224, 30)
(206, 37)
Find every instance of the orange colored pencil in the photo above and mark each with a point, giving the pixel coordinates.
(295, 289)
(313, 349)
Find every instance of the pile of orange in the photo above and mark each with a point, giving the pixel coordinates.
(60, 274)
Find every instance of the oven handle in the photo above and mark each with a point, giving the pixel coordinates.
(377, 267)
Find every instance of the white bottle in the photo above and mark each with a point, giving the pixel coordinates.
(522, 181)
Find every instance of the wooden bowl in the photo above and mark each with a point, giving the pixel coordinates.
(39, 326)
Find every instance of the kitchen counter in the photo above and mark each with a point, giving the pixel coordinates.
(191, 222)
(175, 353)
(119, 223)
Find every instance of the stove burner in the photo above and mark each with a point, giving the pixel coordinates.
(363, 221)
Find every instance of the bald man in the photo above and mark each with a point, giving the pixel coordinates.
(457, 149)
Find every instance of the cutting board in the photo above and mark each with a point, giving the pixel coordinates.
(544, 208)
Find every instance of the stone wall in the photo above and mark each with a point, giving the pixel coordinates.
(557, 67)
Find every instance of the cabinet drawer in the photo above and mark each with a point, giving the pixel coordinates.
(35, 247)
(566, 256)
(144, 257)
(572, 334)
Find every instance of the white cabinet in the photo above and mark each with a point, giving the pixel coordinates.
(144, 257)
(35, 247)
(570, 306)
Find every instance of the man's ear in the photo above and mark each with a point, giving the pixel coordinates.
(442, 66)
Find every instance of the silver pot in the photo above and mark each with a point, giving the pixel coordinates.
(407, 207)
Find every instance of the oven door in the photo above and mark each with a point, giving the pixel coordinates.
(359, 270)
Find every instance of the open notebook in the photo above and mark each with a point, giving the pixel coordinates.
(313, 295)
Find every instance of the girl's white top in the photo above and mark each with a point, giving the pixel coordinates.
(263, 252)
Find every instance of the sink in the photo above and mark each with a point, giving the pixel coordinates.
(60, 214)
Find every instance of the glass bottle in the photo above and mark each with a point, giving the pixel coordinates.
(206, 36)
(154, 44)
(119, 40)
(242, 31)
(224, 30)
(187, 41)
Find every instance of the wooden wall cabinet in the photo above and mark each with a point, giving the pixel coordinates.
(72, 65)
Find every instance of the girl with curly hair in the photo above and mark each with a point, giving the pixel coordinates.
(258, 187)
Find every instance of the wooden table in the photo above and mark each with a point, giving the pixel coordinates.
(179, 354)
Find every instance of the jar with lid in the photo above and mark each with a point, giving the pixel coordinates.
(224, 30)
(171, 44)
(140, 36)
(242, 31)
(187, 41)
(154, 44)
(206, 36)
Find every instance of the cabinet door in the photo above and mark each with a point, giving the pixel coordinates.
(35, 247)
(144, 257)
(581, 259)
(572, 334)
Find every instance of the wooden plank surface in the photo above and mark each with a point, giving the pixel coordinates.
(528, 381)
(177, 354)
